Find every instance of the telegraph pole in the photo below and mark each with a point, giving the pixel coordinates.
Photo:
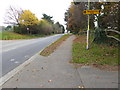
(87, 41)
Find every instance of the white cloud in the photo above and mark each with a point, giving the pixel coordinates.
(55, 8)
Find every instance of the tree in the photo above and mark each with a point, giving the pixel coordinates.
(44, 27)
(13, 15)
(60, 27)
(57, 28)
(108, 19)
(29, 20)
(63, 29)
(108, 13)
(110, 16)
(48, 18)
(8, 27)
(76, 21)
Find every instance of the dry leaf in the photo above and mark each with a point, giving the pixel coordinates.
(41, 67)
(80, 86)
(16, 79)
(49, 80)
(33, 70)
(41, 86)
(97, 77)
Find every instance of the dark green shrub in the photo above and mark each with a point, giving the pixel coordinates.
(100, 36)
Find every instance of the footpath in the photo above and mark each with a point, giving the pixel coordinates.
(56, 71)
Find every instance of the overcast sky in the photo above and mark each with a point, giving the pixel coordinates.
(55, 8)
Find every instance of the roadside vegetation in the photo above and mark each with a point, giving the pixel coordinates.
(98, 54)
(51, 48)
(104, 33)
(25, 22)
(8, 35)
(107, 26)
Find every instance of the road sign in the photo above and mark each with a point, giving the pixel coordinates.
(85, 12)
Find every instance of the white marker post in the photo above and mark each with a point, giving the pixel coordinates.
(87, 41)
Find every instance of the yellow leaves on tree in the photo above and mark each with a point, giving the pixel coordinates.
(27, 18)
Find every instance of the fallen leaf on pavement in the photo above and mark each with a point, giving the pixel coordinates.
(16, 79)
(41, 67)
(97, 77)
(41, 86)
(33, 70)
(49, 80)
(81, 87)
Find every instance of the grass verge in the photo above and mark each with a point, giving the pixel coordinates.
(51, 48)
(98, 54)
(12, 35)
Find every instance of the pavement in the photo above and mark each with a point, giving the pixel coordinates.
(55, 71)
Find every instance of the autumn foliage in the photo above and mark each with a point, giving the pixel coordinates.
(25, 22)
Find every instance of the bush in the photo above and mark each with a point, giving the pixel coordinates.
(100, 36)
(20, 29)
(44, 27)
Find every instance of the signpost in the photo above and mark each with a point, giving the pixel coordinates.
(85, 12)
(87, 42)
(28, 30)
(88, 12)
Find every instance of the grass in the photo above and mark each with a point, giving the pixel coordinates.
(51, 48)
(12, 35)
(97, 54)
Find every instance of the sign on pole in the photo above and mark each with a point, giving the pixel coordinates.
(85, 12)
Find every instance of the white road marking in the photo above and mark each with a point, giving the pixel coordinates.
(16, 62)
(26, 56)
(12, 60)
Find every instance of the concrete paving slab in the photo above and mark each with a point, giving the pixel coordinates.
(95, 78)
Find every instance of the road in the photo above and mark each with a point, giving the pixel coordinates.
(17, 52)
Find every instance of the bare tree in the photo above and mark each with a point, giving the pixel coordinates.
(12, 15)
